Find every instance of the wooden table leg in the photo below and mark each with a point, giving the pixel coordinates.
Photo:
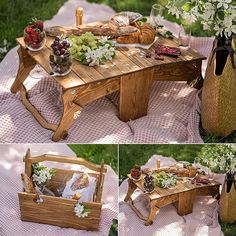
(70, 112)
(153, 212)
(135, 91)
(131, 189)
(185, 202)
(26, 64)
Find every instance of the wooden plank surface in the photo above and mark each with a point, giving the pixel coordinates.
(42, 58)
(127, 60)
(180, 187)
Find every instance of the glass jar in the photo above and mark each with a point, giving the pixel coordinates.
(34, 40)
(60, 64)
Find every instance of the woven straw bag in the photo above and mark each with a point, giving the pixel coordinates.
(219, 95)
(228, 202)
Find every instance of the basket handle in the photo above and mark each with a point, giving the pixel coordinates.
(63, 159)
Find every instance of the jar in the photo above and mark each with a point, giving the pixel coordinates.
(34, 40)
(60, 64)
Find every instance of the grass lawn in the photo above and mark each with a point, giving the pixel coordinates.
(15, 15)
(96, 153)
(129, 155)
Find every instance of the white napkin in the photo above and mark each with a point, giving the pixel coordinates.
(86, 193)
(134, 45)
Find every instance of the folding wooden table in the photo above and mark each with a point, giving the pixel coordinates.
(129, 72)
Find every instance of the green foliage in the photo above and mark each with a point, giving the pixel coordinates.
(140, 154)
(219, 158)
(144, 7)
(16, 14)
(97, 152)
(114, 228)
(228, 229)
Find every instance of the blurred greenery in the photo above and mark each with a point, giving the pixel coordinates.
(129, 155)
(144, 7)
(114, 228)
(16, 14)
(98, 152)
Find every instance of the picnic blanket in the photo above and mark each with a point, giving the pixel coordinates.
(173, 113)
(203, 221)
(11, 165)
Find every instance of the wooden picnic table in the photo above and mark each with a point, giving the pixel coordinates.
(129, 72)
(182, 195)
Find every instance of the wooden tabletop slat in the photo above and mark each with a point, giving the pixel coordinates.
(87, 74)
(42, 58)
(181, 186)
(127, 60)
(124, 63)
(134, 55)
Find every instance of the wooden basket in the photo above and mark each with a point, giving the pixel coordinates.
(60, 211)
(219, 98)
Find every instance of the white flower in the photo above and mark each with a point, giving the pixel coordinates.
(174, 10)
(223, 3)
(42, 176)
(80, 211)
(103, 39)
(219, 30)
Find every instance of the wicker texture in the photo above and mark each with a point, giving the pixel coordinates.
(228, 205)
(219, 99)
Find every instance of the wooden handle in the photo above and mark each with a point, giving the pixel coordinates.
(63, 159)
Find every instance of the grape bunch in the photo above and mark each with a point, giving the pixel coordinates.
(136, 172)
(149, 183)
(60, 60)
(60, 47)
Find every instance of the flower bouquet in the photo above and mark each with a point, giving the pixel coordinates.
(89, 50)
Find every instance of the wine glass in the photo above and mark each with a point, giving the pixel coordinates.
(38, 72)
(156, 15)
(184, 37)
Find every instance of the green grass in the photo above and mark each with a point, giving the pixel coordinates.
(96, 153)
(139, 154)
(15, 15)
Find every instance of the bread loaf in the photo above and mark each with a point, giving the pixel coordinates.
(145, 35)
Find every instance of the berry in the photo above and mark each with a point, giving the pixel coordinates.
(28, 30)
(63, 51)
(57, 39)
(35, 45)
(27, 39)
(57, 52)
(39, 24)
(35, 36)
(55, 43)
